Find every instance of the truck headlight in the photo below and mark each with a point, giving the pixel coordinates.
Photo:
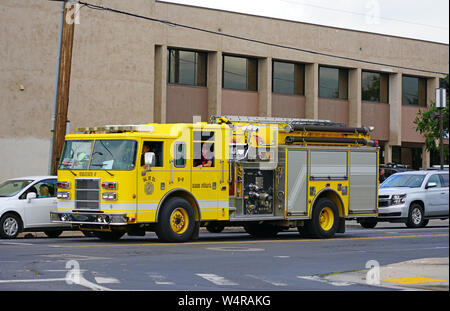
(63, 195)
(110, 196)
(398, 199)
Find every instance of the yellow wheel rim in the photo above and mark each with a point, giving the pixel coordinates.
(179, 220)
(326, 219)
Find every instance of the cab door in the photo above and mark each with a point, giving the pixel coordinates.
(152, 181)
(209, 173)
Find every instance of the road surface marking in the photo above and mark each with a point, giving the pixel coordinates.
(322, 280)
(282, 256)
(157, 243)
(216, 279)
(236, 249)
(159, 279)
(33, 280)
(106, 280)
(275, 283)
(413, 280)
(15, 243)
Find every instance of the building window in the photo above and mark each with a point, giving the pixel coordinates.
(288, 78)
(414, 91)
(374, 86)
(187, 67)
(333, 82)
(240, 73)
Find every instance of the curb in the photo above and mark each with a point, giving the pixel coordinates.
(426, 274)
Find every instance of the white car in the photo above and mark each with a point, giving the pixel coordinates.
(25, 205)
(413, 198)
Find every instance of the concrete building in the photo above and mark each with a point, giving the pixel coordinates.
(128, 70)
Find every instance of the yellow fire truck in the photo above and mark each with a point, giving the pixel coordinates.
(265, 174)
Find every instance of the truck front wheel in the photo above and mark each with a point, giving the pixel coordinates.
(324, 221)
(176, 221)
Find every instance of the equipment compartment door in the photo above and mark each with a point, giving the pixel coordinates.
(363, 182)
(297, 182)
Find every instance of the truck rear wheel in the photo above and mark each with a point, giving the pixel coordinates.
(324, 221)
(176, 221)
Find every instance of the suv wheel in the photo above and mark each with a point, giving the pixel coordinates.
(415, 216)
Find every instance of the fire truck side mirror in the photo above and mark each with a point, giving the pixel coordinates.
(149, 159)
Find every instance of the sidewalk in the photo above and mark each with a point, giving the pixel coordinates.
(418, 274)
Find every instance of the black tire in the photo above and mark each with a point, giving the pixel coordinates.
(172, 226)
(415, 216)
(261, 230)
(10, 226)
(215, 227)
(109, 236)
(323, 208)
(368, 224)
(53, 234)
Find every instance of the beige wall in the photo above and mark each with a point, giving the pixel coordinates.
(335, 110)
(115, 78)
(409, 133)
(376, 115)
(287, 106)
(183, 102)
(236, 102)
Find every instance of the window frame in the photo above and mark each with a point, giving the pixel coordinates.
(339, 86)
(196, 73)
(175, 154)
(295, 82)
(418, 91)
(247, 58)
(379, 95)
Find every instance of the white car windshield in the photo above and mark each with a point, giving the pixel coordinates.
(10, 188)
(403, 180)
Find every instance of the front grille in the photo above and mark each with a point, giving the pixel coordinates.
(383, 200)
(383, 203)
(87, 193)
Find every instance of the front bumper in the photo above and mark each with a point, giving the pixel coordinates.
(393, 211)
(81, 218)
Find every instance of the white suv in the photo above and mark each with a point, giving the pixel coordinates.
(412, 198)
(25, 205)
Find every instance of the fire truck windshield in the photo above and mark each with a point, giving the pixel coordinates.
(111, 154)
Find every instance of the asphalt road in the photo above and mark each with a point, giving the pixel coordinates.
(216, 262)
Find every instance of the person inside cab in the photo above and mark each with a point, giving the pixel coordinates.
(207, 156)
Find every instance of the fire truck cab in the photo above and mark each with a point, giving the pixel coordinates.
(265, 174)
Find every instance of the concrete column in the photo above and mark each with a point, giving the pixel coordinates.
(425, 158)
(265, 87)
(432, 85)
(160, 85)
(387, 153)
(354, 97)
(312, 91)
(214, 83)
(395, 112)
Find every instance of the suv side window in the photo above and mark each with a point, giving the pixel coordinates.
(444, 179)
(435, 178)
